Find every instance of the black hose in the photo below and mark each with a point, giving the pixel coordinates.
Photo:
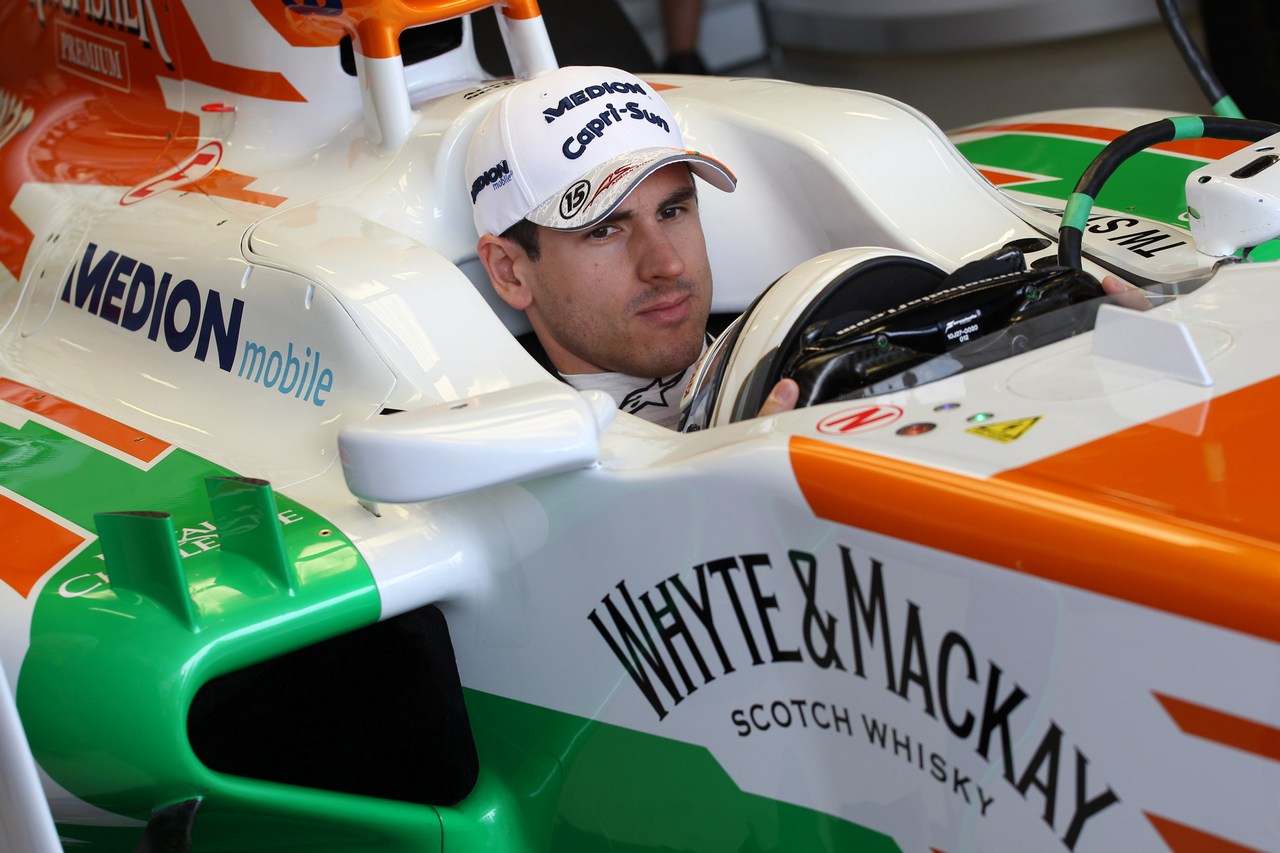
(1208, 82)
(1071, 233)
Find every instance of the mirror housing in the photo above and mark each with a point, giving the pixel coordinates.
(452, 448)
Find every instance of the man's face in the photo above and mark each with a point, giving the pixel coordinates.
(630, 295)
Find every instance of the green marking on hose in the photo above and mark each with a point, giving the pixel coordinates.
(1187, 127)
(1192, 212)
(1226, 107)
(1077, 212)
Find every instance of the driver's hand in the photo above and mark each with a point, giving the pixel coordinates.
(1126, 294)
(782, 398)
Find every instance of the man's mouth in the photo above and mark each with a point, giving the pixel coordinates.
(671, 310)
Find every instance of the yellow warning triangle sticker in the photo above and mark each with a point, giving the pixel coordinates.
(1005, 431)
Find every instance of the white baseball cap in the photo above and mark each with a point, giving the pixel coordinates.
(564, 149)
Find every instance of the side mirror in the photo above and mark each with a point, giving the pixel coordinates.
(1234, 203)
(452, 448)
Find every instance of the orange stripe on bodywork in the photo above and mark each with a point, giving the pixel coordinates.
(15, 237)
(112, 433)
(1210, 467)
(232, 185)
(521, 10)
(1147, 515)
(33, 545)
(1209, 149)
(199, 66)
(1220, 727)
(1187, 839)
(1004, 179)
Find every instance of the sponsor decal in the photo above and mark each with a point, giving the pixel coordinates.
(188, 317)
(838, 719)
(1005, 431)
(960, 329)
(653, 394)
(92, 56)
(576, 145)
(613, 177)
(133, 17)
(202, 162)
(134, 296)
(859, 419)
(675, 638)
(1132, 234)
(580, 97)
(298, 374)
(495, 176)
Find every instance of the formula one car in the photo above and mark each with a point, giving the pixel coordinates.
(304, 551)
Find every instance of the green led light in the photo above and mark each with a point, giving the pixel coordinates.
(980, 417)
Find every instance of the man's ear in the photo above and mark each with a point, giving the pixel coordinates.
(499, 256)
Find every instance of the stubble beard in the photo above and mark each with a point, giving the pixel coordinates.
(610, 348)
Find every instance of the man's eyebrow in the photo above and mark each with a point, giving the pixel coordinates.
(680, 196)
(617, 216)
(677, 197)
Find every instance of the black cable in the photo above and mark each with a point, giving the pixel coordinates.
(1103, 166)
(1208, 82)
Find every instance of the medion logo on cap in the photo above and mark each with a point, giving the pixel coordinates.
(494, 176)
(587, 93)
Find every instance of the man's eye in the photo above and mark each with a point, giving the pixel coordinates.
(601, 232)
(672, 212)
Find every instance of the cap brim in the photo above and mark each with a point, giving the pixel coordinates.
(590, 199)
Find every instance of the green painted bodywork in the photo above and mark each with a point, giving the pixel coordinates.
(579, 785)
(1149, 184)
(107, 682)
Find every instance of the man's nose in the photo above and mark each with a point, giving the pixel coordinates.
(659, 258)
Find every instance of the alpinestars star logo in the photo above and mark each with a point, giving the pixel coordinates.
(653, 394)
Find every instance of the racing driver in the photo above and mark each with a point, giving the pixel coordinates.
(583, 195)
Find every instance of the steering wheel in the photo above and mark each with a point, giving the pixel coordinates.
(875, 318)
(851, 352)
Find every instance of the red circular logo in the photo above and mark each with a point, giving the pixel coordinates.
(859, 419)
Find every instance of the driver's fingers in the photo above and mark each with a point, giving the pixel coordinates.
(782, 398)
(1125, 293)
